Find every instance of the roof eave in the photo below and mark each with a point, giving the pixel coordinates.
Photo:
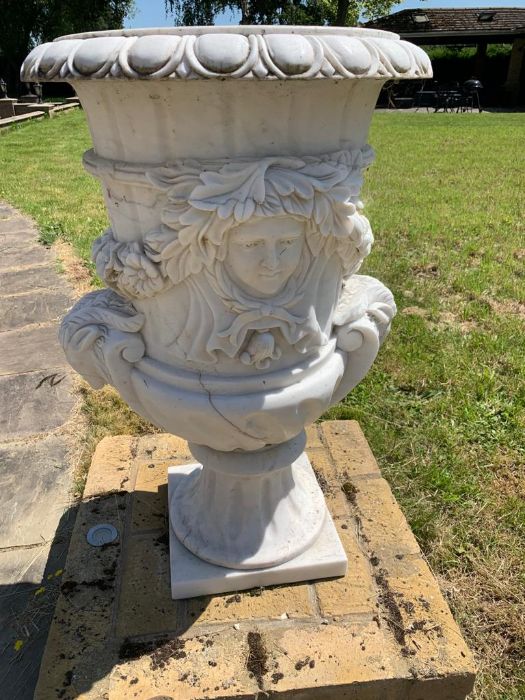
(493, 36)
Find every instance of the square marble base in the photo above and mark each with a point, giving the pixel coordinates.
(192, 577)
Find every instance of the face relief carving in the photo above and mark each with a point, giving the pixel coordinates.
(263, 254)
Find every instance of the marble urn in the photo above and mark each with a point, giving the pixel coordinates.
(231, 161)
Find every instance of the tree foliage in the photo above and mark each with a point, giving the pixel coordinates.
(26, 23)
(319, 12)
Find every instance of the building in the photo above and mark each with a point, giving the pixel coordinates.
(460, 27)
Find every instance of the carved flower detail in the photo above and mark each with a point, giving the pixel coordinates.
(139, 277)
(261, 350)
(126, 267)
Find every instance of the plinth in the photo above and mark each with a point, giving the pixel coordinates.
(382, 631)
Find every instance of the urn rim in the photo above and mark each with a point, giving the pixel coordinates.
(253, 53)
(242, 30)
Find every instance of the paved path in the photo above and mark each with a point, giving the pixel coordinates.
(36, 401)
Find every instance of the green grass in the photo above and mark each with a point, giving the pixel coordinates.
(444, 405)
(42, 175)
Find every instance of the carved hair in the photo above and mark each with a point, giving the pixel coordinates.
(205, 200)
(203, 205)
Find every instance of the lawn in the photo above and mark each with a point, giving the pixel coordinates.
(444, 406)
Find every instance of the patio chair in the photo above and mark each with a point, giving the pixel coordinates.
(425, 99)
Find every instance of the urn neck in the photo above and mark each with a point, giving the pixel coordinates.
(246, 465)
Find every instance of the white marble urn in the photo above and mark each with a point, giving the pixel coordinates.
(231, 161)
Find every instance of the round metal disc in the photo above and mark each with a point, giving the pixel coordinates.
(99, 535)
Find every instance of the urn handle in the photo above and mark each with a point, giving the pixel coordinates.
(101, 339)
(362, 321)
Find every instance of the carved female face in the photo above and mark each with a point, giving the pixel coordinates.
(264, 253)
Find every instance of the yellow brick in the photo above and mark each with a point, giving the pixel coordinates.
(209, 665)
(313, 438)
(382, 522)
(162, 447)
(355, 593)
(246, 606)
(430, 632)
(111, 466)
(151, 475)
(150, 509)
(329, 483)
(337, 656)
(150, 498)
(349, 449)
(146, 605)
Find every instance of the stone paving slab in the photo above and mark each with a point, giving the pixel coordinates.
(29, 588)
(11, 237)
(31, 503)
(36, 398)
(6, 210)
(34, 279)
(35, 402)
(19, 310)
(31, 348)
(22, 571)
(12, 222)
(20, 565)
(382, 632)
(13, 255)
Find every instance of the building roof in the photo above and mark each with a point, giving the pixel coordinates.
(493, 23)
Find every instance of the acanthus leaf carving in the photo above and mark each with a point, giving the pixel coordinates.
(205, 201)
(211, 211)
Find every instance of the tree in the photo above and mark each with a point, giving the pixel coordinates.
(320, 12)
(27, 23)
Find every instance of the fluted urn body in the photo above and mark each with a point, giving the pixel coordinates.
(231, 161)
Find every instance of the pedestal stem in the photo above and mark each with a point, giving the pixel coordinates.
(249, 510)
